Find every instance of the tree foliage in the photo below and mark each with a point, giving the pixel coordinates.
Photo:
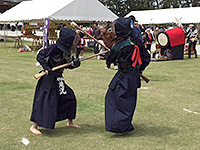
(123, 7)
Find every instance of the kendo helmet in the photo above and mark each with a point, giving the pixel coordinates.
(122, 27)
(68, 40)
(133, 18)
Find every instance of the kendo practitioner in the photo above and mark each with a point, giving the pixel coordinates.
(121, 97)
(135, 33)
(54, 100)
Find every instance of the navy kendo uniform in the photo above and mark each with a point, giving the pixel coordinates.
(135, 33)
(54, 100)
(121, 97)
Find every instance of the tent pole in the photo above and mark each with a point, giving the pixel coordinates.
(4, 36)
(23, 33)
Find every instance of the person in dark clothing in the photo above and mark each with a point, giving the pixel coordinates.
(54, 100)
(135, 30)
(96, 34)
(121, 97)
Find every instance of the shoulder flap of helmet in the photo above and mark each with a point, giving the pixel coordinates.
(121, 44)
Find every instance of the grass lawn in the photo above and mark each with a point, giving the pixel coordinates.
(160, 121)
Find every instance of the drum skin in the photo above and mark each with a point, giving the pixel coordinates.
(163, 39)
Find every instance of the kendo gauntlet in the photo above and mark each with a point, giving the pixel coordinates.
(76, 63)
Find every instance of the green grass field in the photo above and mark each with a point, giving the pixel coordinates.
(160, 120)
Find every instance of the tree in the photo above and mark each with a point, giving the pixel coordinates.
(123, 7)
(115, 6)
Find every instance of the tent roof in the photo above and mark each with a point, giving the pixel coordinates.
(35, 9)
(6, 5)
(64, 9)
(161, 16)
(85, 10)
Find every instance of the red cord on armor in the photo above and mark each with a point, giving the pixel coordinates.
(136, 57)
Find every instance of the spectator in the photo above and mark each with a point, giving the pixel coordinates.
(107, 36)
(81, 46)
(96, 34)
(192, 38)
(148, 39)
(155, 33)
(90, 30)
(199, 33)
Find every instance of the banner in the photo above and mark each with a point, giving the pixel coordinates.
(45, 36)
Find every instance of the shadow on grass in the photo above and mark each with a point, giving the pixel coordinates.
(62, 131)
(145, 130)
(160, 78)
(140, 130)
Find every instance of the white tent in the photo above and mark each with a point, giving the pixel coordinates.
(161, 16)
(35, 9)
(39, 9)
(85, 10)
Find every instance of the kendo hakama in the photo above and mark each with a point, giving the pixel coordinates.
(121, 98)
(54, 101)
(120, 101)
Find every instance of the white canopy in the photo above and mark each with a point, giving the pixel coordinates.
(35, 9)
(85, 10)
(161, 16)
